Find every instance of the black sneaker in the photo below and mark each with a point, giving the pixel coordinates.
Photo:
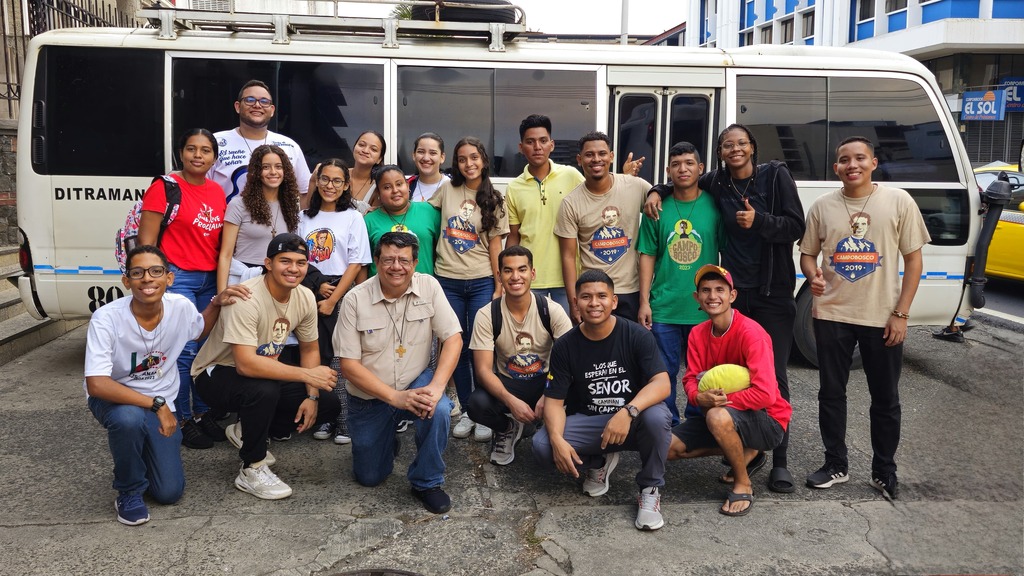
(435, 500)
(192, 436)
(281, 437)
(210, 428)
(886, 484)
(827, 475)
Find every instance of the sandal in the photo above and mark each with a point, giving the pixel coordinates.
(736, 497)
(780, 480)
(755, 464)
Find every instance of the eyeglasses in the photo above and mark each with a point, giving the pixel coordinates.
(252, 100)
(337, 182)
(154, 272)
(390, 261)
(729, 146)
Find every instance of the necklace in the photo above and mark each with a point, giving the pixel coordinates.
(399, 226)
(150, 345)
(842, 192)
(360, 192)
(400, 333)
(273, 220)
(711, 337)
(246, 140)
(736, 188)
(517, 326)
(693, 204)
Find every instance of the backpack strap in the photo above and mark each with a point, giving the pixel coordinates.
(172, 194)
(545, 314)
(496, 322)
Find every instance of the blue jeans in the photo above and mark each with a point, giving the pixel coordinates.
(371, 425)
(199, 288)
(672, 343)
(466, 297)
(556, 294)
(144, 459)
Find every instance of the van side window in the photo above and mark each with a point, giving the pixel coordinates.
(489, 103)
(323, 106)
(98, 112)
(802, 119)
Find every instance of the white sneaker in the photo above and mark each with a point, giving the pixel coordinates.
(463, 428)
(503, 451)
(257, 479)
(596, 482)
(340, 438)
(234, 434)
(648, 514)
(482, 433)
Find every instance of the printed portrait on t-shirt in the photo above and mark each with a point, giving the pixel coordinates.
(855, 256)
(150, 367)
(460, 231)
(278, 338)
(684, 243)
(609, 242)
(524, 364)
(320, 243)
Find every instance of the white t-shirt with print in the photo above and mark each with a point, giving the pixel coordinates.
(335, 240)
(147, 362)
(233, 156)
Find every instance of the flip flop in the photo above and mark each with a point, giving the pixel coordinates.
(735, 497)
(755, 464)
(780, 480)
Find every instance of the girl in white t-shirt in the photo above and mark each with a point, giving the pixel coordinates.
(428, 155)
(339, 247)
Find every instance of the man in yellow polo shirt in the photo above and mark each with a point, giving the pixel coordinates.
(533, 199)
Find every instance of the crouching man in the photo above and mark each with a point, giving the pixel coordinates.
(605, 394)
(743, 417)
(239, 369)
(383, 337)
(131, 370)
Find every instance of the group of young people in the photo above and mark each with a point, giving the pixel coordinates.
(348, 300)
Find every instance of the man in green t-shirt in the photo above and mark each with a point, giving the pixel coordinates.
(672, 249)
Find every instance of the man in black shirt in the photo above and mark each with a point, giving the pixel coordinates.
(605, 394)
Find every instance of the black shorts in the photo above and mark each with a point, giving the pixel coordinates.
(756, 429)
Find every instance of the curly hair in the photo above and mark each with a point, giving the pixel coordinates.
(316, 201)
(287, 194)
(488, 198)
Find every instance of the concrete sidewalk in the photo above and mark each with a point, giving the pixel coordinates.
(960, 508)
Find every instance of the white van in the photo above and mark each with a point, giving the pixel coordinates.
(107, 104)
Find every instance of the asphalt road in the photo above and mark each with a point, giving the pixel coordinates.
(960, 509)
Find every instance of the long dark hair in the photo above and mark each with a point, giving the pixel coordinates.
(316, 201)
(723, 176)
(197, 131)
(287, 194)
(383, 145)
(487, 198)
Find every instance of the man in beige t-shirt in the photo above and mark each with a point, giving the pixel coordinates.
(383, 337)
(512, 366)
(599, 220)
(238, 369)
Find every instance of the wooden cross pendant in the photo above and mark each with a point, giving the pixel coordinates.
(400, 350)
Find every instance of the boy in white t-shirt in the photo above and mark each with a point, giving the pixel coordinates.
(131, 358)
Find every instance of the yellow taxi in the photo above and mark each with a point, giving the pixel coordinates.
(1006, 252)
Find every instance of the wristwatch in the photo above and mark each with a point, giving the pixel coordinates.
(633, 411)
(158, 403)
(313, 398)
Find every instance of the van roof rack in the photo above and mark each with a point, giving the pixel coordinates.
(223, 15)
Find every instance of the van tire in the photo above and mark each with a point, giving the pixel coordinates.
(803, 332)
(503, 15)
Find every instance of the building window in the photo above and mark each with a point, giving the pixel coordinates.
(865, 10)
(894, 5)
(747, 38)
(808, 24)
(786, 29)
(766, 35)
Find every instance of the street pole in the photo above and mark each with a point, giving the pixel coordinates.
(624, 39)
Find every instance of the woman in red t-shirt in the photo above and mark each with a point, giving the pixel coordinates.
(192, 243)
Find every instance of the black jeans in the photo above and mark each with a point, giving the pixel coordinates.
(264, 407)
(882, 367)
(485, 409)
(776, 314)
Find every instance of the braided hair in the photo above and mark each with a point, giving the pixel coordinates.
(723, 170)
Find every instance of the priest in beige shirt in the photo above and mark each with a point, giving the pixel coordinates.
(383, 337)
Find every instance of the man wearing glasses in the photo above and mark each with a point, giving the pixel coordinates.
(255, 109)
(131, 379)
(383, 337)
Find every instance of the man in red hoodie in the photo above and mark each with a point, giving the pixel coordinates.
(741, 424)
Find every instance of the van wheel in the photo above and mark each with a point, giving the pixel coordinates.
(503, 15)
(803, 332)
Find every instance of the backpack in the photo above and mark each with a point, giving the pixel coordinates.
(496, 319)
(127, 237)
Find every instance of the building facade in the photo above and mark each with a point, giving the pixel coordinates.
(975, 48)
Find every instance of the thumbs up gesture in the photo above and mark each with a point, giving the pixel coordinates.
(818, 283)
(745, 217)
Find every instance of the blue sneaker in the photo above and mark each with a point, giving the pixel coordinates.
(131, 510)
